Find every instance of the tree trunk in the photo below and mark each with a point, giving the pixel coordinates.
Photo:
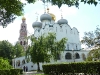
(38, 66)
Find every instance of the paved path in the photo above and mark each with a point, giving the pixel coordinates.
(32, 73)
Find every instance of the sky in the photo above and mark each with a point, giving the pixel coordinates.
(85, 19)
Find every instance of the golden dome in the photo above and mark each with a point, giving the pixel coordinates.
(53, 16)
(23, 18)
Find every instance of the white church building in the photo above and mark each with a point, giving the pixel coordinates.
(72, 52)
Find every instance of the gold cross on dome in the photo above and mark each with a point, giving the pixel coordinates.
(44, 7)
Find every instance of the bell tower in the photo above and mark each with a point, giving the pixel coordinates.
(23, 34)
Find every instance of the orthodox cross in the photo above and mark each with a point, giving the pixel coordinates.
(47, 8)
(36, 16)
(44, 7)
(61, 13)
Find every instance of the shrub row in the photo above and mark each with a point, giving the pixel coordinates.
(11, 72)
(83, 67)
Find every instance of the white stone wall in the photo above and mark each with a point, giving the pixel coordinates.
(33, 66)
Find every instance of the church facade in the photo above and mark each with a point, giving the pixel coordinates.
(72, 52)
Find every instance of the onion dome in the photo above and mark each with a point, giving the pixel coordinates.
(37, 24)
(52, 15)
(23, 18)
(45, 17)
(62, 21)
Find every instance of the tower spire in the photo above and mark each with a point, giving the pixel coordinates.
(44, 8)
(36, 16)
(61, 13)
(47, 8)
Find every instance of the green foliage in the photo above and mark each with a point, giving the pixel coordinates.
(9, 9)
(18, 50)
(15, 71)
(4, 64)
(6, 50)
(5, 72)
(68, 2)
(46, 47)
(90, 38)
(94, 55)
(11, 72)
(81, 67)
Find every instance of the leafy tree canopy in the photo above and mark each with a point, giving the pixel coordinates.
(9, 9)
(92, 38)
(18, 50)
(4, 64)
(6, 49)
(68, 2)
(9, 51)
(94, 55)
(45, 47)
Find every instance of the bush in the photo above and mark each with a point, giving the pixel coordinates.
(5, 72)
(11, 72)
(6, 68)
(4, 64)
(83, 67)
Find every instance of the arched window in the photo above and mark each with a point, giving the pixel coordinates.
(21, 42)
(76, 47)
(68, 56)
(24, 28)
(18, 63)
(24, 42)
(77, 56)
(23, 62)
(83, 56)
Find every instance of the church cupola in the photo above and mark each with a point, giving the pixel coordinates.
(23, 19)
(37, 24)
(45, 16)
(53, 17)
(62, 21)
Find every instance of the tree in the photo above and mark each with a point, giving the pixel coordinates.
(94, 54)
(6, 50)
(88, 39)
(18, 50)
(91, 38)
(4, 64)
(46, 47)
(68, 2)
(9, 9)
(9, 51)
